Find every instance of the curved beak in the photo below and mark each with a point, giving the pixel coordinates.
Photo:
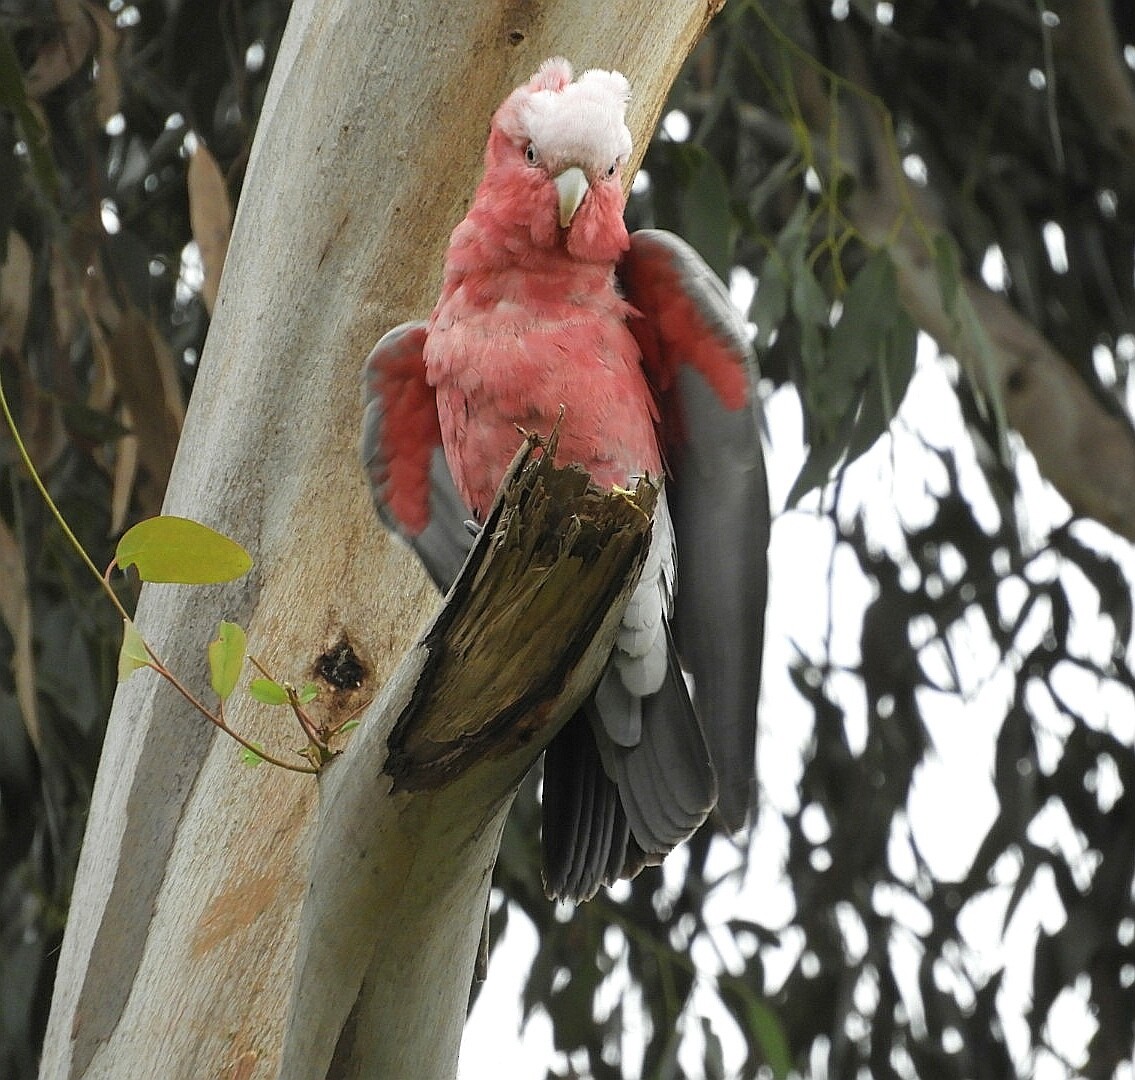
(571, 186)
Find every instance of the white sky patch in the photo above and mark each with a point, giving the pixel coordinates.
(191, 274)
(108, 210)
(742, 289)
(1103, 360)
(1054, 245)
(914, 165)
(994, 269)
(494, 1042)
(676, 126)
(640, 185)
(254, 57)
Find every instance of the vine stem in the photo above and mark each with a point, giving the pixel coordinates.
(219, 722)
(104, 582)
(156, 663)
(314, 733)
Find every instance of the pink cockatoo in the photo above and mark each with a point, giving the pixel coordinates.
(548, 305)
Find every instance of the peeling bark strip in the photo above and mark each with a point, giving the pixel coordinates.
(555, 557)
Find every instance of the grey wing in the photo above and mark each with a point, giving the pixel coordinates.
(697, 355)
(719, 505)
(410, 482)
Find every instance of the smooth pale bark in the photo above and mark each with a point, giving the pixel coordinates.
(181, 944)
(551, 566)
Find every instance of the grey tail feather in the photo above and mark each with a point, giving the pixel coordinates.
(584, 830)
(667, 783)
(597, 829)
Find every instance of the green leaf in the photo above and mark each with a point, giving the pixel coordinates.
(13, 96)
(770, 1034)
(770, 304)
(250, 757)
(949, 272)
(268, 692)
(886, 387)
(870, 307)
(308, 694)
(226, 659)
(973, 339)
(858, 342)
(825, 450)
(133, 654)
(707, 222)
(175, 549)
(809, 301)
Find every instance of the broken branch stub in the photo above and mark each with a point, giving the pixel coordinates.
(555, 563)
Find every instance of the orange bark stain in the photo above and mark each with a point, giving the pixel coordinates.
(233, 910)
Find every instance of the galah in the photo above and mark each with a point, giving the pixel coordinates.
(548, 305)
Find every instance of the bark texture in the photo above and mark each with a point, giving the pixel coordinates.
(185, 920)
(475, 702)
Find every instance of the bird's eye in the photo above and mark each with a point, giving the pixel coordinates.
(530, 154)
(611, 169)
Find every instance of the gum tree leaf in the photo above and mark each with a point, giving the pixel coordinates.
(707, 222)
(770, 1034)
(210, 216)
(948, 270)
(14, 95)
(770, 303)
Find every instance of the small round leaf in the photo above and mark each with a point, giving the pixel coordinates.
(226, 658)
(133, 654)
(268, 692)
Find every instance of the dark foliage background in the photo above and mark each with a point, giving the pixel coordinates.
(124, 130)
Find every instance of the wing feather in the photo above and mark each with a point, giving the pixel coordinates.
(410, 482)
(698, 360)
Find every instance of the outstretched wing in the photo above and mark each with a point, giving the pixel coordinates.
(699, 362)
(410, 481)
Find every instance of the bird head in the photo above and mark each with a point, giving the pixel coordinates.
(555, 158)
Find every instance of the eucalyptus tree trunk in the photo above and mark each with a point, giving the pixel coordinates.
(180, 957)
